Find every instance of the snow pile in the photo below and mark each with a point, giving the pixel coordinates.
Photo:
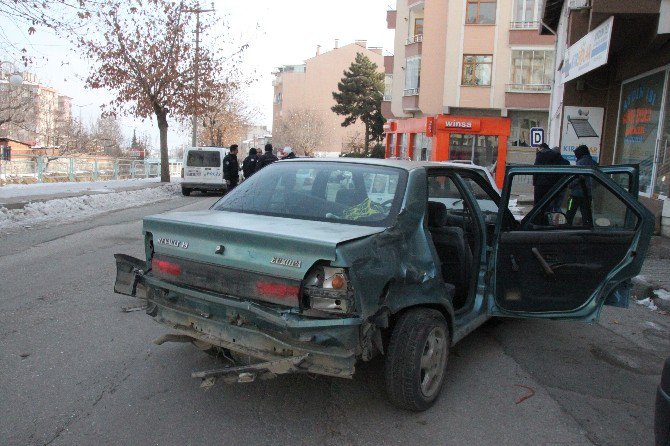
(662, 294)
(39, 189)
(647, 303)
(60, 210)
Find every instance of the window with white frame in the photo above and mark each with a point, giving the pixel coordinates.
(388, 87)
(532, 70)
(412, 76)
(477, 70)
(526, 14)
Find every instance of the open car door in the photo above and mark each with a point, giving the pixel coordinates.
(571, 250)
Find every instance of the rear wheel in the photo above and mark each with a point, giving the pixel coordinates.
(417, 358)
(186, 191)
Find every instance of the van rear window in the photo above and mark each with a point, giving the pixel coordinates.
(202, 158)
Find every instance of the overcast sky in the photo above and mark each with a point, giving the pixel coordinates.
(278, 32)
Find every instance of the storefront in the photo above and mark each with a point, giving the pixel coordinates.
(480, 140)
(643, 130)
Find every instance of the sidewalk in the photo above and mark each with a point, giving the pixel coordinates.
(655, 274)
(17, 196)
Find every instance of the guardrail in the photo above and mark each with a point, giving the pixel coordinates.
(47, 169)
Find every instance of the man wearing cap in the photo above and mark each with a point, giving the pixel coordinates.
(249, 163)
(231, 168)
(267, 158)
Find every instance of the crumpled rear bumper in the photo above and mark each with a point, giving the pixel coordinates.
(330, 346)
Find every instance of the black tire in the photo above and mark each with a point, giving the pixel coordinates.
(186, 191)
(408, 383)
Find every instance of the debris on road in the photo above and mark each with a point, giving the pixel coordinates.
(524, 397)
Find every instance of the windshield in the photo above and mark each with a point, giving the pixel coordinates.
(325, 191)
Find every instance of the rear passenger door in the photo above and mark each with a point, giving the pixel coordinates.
(563, 256)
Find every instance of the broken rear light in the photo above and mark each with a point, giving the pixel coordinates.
(166, 267)
(277, 290)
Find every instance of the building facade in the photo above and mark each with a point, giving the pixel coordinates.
(611, 88)
(303, 97)
(37, 114)
(458, 61)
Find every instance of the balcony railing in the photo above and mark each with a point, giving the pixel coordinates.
(532, 24)
(414, 3)
(411, 92)
(528, 88)
(414, 39)
(388, 97)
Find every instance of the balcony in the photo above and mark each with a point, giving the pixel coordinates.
(533, 24)
(387, 97)
(528, 88)
(414, 3)
(414, 39)
(410, 92)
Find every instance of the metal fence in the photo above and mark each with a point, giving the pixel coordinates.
(48, 169)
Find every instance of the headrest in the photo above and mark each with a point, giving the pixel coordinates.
(437, 214)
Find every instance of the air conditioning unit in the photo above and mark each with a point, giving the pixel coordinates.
(576, 5)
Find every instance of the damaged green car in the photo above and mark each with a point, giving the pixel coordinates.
(314, 265)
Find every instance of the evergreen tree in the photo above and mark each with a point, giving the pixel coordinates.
(360, 95)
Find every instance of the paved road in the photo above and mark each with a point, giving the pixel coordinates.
(75, 370)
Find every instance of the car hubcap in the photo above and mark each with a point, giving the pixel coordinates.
(433, 361)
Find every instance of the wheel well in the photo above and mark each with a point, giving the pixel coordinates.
(395, 316)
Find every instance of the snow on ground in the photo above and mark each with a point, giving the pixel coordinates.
(61, 210)
(40, 189)
(662, 294)
(647, 303)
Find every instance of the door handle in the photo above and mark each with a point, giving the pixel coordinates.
(543, 263)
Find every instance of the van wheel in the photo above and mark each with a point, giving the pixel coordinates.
(417, 358)
(186, 191)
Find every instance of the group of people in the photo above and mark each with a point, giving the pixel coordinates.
(251, 164)
(580, 189)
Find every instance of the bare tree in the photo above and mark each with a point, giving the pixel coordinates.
(226, 117)
(108, 136)
(17, 109)
(302, 129)
(142, 51)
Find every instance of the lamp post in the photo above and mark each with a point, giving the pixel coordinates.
(13, 78)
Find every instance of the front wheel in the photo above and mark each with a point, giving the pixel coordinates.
(417, 358)
(186, 191)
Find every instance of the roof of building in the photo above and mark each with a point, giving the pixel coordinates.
(551, 16)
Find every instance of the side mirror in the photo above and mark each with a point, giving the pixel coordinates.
(556, 219)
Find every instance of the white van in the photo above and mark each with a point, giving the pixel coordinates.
(203, 169)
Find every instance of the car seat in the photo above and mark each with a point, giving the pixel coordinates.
(452, 249)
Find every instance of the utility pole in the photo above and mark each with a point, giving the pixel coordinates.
(194, 119)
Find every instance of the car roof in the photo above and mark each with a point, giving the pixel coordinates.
(402, 164)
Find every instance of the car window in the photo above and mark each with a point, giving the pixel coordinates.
(329, 191)
(485, 200)
(574, 201)
(200, 158)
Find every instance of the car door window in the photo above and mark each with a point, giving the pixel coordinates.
(577, 229)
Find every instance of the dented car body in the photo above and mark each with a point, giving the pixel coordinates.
(306, 267)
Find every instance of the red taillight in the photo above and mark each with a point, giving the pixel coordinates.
(166, 267)
(277, 289)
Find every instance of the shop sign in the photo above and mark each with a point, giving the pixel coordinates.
(464, 124)
(430, 126)
(589, 53)
(581, 125)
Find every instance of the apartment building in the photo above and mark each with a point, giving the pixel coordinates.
(468, 80)
(35, 113)
(303, 97)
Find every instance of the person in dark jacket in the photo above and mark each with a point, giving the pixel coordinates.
(266, 159)
(544, 182)
(249, 163)
(231, 168)
(287, 153)
(580, 190)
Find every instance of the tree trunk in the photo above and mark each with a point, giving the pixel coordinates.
(165, 159)
(367, 140)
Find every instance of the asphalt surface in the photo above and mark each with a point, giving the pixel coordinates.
(75, 370)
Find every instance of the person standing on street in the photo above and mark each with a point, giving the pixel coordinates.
(249, 163)
(544, 182)
(267, 158)
(288, 153)
(580, 190)
(231, 168)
